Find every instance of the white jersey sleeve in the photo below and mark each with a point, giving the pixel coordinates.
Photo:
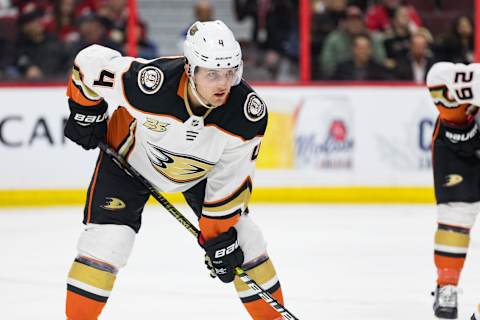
(454, 88)
(229, 186)
(462, 81)
(97, 74)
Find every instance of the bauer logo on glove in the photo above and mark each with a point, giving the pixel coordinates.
(224, 251)
(87, 126)
(225, 254)
(86, 120)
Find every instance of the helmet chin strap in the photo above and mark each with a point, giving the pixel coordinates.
(197, 95)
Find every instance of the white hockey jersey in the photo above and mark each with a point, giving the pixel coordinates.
(454, 88)
(152, 126)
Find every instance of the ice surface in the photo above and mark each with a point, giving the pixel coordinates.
(338, 262)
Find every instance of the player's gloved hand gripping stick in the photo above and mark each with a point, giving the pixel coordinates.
(125, 166)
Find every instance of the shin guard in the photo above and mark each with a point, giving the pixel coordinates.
(451, 245)
(88, 287)
(263, 272)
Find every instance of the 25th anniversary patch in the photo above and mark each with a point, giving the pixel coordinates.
(254, 107)
(150, 79)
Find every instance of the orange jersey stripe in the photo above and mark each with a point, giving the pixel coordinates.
(456, 115)
(181, 86)
(119, 127)
(74, 93)
(211, 228)
(92, 188)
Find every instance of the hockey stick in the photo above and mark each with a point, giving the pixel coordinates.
(125, 166)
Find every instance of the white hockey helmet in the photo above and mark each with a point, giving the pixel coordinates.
(212, 45)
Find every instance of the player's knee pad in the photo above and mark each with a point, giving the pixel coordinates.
(250, 239)
(461, 214)
(108, 243)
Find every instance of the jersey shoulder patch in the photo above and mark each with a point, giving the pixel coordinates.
(150, 79)
(254, 107)
(151, 86)
(245, 114)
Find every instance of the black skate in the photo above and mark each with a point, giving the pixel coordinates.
(445, 304)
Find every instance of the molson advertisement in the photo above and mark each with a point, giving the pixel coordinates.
(324, 133)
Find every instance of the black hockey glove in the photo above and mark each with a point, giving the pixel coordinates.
(465, 140)
(87, 126)
(223, 255)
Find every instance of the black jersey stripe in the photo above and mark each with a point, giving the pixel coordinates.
(247, 184)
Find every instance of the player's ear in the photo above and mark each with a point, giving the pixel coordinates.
(186, 67)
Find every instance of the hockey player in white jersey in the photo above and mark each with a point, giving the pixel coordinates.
(188, 124)
(455, 90)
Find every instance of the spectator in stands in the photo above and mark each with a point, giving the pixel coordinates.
(326, 18)
(5, 58)
(273, 21)
(415, 65)
(379, 16)
(92, 30)
(115, 16)
(361, 67)
(38, 54)
(397, 36)
(20, 4)
(63, 22)
(145, 48)
(253, 67)
(338, 45)
(457, 45)
(202, 11)
(275, 29)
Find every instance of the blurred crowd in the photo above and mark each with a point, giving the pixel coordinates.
(40, 39)
(389, 39)
(354, 40)
(358, 40)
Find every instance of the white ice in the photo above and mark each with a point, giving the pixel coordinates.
(338, 262)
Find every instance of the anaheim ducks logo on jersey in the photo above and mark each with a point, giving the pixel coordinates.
(177, 167)
(452, 180)
(441, 97)
(113, 204)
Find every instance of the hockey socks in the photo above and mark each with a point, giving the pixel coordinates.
(263, 272)
(88, 287)
(451, 245)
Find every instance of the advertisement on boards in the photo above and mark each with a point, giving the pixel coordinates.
(320, 136)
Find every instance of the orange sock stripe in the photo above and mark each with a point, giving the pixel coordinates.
(261, 310)
(82, 308)
(448, 269)
(444, 262)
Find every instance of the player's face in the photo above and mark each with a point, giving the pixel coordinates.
(214, 84)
